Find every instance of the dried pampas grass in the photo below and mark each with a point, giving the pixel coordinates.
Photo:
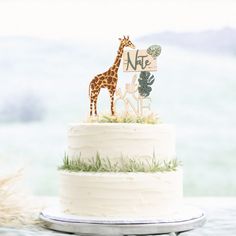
(16, 206)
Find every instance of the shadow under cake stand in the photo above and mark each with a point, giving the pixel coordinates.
(187, 219)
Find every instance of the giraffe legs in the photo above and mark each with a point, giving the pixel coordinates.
(93, 102)
(112, 92)
(112, 105)
(91, 106)
(95, 106)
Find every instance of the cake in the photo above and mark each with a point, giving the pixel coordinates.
(116, 195)
(122, 167)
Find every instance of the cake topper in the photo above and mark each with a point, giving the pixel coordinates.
(136, 95)
(154, 50)
(134, 103)
(146, 79)
(108, 79)
(139, 60)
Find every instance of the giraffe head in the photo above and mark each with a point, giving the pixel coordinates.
(126, 42)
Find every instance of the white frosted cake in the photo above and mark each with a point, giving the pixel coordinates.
(146, 193)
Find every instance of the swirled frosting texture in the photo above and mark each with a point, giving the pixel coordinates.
(121, 195)
(115, 140)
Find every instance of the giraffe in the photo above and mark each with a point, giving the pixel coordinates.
(108, 79)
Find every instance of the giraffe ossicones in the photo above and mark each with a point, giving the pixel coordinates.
(108, 79)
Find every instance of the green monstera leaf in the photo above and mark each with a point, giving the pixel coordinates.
(146, 79)
(154, 50)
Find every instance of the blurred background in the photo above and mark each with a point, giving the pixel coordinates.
(50, 50)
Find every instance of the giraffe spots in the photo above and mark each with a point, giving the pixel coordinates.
(111, 87)
(109, 80)
(92, 86)
(112, 80)
(112, 73)
(99, 82)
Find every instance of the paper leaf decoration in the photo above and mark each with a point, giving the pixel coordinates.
(146, 79)
(154, 50)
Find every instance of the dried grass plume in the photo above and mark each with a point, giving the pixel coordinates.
(16, 206)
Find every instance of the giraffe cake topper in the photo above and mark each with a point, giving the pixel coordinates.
(136, 95)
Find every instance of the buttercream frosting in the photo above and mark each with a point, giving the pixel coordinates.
(115, 140)
(119, 195)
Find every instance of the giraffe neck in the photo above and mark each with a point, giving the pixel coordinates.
(118, 58)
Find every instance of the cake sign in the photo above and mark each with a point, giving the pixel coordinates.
(135, 98)
(138, 60)
(141, 60)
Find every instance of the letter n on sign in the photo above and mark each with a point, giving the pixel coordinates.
(138, 60)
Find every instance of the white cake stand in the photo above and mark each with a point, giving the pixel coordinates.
(188, 219)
